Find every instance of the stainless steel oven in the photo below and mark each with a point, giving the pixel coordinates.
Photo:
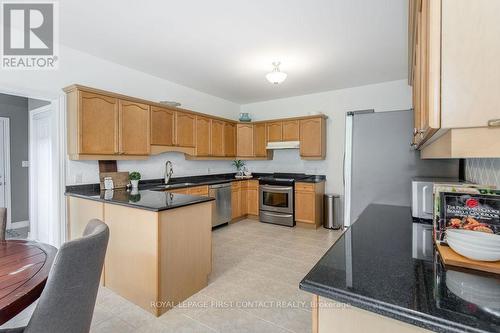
(276, 198)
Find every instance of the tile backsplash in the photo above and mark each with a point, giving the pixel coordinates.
(483, 171)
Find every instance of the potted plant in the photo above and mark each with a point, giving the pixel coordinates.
(134, 179)
(239, 164)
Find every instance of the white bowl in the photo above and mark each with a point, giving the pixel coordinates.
(473, 253)
(473, 241)
(473, 246)
(475, 237)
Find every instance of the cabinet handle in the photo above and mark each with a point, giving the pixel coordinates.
(413, 146)
(494, 123)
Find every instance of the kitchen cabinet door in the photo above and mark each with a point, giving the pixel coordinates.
(291, 130)
(313, 138)
(253, 201)
(202, 136)
(305, 206)
(134, 119)
(185, 126)
(229, 139)
(244, 140)
(97, 124)
(470, 63)
(235, 203)
(259, 140)
(162, 126)
(217, 138)
(274, 131)
(180, 191)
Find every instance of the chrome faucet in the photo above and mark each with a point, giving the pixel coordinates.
(169, 170)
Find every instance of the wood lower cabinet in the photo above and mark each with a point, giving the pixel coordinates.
(217, 138)
(92, 123)
(134, 120)
(162, 126)
(185, 129)
(245, 140)
(253, 198)
(235, 200)
(309, 203)
(259, 140)
(312, 133)
(202, 136)
(198, 190)
(229, 139)
(290, 130)
(274, 131)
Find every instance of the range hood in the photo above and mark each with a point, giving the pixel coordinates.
(283, 145)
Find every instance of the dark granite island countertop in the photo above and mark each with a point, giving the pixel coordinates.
(371, 267)
(144, 199)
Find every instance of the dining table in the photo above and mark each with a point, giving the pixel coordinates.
(24, 268)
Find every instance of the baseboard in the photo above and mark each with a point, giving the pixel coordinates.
(19, 224)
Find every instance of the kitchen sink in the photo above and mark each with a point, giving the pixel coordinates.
(171, 186)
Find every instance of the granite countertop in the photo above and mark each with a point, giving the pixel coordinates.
(143, 199)
(371, 267)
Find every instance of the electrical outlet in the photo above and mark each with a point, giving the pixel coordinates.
(25, 164)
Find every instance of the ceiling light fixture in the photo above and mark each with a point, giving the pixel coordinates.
(276, 76)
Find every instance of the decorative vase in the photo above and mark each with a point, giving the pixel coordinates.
(135, 183)
(245, 117)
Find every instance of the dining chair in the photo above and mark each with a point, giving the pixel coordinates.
(68, 299)
(3, 222)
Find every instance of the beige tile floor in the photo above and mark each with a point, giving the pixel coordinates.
(253, 286)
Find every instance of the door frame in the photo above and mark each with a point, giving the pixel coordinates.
(8, 198)
(58, 105)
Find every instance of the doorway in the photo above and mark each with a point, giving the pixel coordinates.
(5, 196)
(41, 175)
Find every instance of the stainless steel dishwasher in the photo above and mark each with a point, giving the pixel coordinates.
(222, 208)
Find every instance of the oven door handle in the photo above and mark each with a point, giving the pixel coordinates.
(275, 188)
(277, 215)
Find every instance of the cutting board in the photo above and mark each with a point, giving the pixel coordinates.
(451, 258)
(120, 179)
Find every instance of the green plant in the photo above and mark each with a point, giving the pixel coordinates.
(238, 164)
(134, 176)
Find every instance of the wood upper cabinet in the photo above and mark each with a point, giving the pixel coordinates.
(202, 136)
(229, 139)
(290, 130)
(134, 120)
(162, 126)
(97, 117)
(259, 140)
(245, 140)
(455, 88)
(312, 138)
(185, 129)
(274, 131)
(217, 138)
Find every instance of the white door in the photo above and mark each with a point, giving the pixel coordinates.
(41, 176)
(5, 167)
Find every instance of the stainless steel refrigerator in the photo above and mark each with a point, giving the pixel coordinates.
(379, 162)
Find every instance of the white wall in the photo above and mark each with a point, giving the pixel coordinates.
(85, 69)
(388, 96)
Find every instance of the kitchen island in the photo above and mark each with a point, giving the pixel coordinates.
(371, 281)
(160, 245)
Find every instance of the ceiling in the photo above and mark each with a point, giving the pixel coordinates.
(225, 47)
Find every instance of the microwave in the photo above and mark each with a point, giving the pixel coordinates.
(422, 199)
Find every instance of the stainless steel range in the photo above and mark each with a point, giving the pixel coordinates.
(277, 198)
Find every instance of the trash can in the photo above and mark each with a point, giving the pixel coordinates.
(332, 214)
